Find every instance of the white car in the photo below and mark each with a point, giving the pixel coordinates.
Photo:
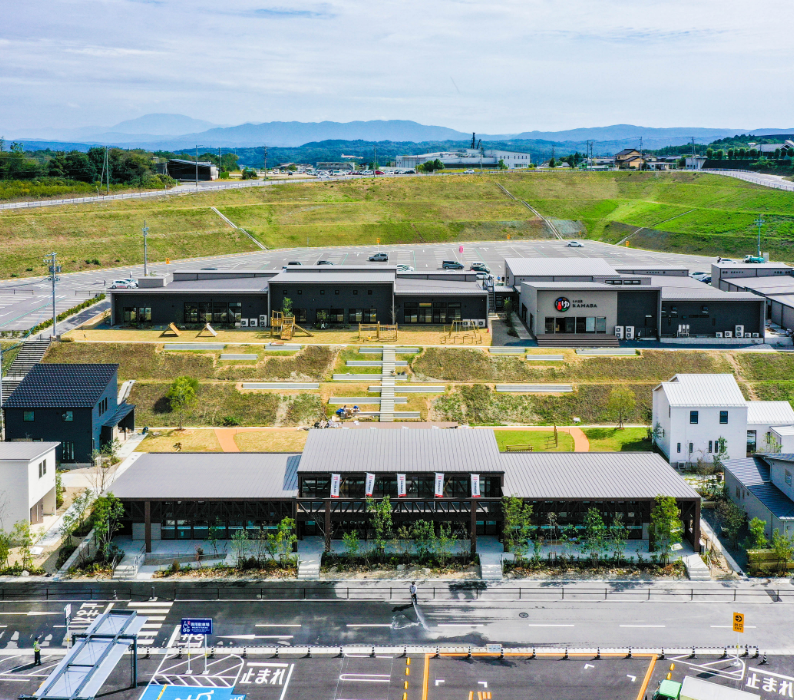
(123, 284)
(575, 244)
(366, 172)
(404, 268)
(468, 172)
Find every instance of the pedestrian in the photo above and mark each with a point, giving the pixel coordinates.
(413, 591)
(36, 652)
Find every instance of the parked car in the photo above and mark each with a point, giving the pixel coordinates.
(366, 172)
(410, 171)
(575, 244)
(468, 172)
(294, 262)
(379, 172)
(706, 279)
(480, 267)
(451, 265)
(698, 275)
(123, 284)
(324, 262)
(379, 257)
(404, 268)
(482, 275)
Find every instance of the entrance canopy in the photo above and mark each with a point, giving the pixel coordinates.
(88, 664)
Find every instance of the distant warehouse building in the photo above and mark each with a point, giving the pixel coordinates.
(468, 158)
(191, 170)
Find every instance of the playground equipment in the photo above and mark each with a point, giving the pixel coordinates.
(209, 330)
(377, 331)
(171, 330)
(284, 326)
(462, 332)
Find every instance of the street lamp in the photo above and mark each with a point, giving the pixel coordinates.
(759, 222)
(51, 260)
(145, 230)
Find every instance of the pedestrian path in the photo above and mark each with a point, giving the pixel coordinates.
(155, 612)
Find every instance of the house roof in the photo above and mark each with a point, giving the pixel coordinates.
(754, 474)
(769, 413)
(592, 475)
(244, 285)
(573, 286)
(13, 451)
(626, 151)
(748, 471)
(185, 475)
(559, 267)
(352, 277)
(460, 450)
(62, 386)
(123, 410)
(778, 503)
(703, 390)
(781, 284)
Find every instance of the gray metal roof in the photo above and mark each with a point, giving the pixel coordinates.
(245, 285)
(314, 276)
(778, 503)
(782, 284)
(751, 266)
(423, 286)
(639, 268)
(705, 294)
(51, 385)
(211, 476)
(769, 413)
(25, 450)
(559, 267)
(784, 299)
(749, 471)
(461, 450)
(592, 475)
(698, 390)
(561, 286)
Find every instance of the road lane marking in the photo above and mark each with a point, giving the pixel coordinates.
(549, 625)
(369, 625)
(643, 626)
(455, 624)
(258, 625)
(365, 677)
(266, 664)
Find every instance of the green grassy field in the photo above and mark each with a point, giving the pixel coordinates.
(687, 212)
(615, 440)
(539, 440)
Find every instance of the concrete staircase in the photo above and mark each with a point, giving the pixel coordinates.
(30, 354)
(574, 340)
(310, 555)
(387, 385)
(490, 566)
(696, 568)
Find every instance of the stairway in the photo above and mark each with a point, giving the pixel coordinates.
(387, 385)
(30, 354)
(696, 568)
(574, 340)
(490, 566)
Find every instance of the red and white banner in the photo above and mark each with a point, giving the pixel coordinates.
(370, 485)
(439, 490)
(336, 481)
(475, 485)
(401, 492)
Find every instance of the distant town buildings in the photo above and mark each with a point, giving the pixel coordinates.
(468, 158)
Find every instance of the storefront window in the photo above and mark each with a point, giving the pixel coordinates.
(601, 324)
(549, 324)
(220, 312)
(370, 315)
(205, 312)
(355, 315)
(235, 311)
(336, 316)
(191, 312)
(411, 312)
(425, 312)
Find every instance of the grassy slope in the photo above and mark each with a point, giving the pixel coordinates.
(406, 210)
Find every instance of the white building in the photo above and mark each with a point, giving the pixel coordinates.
(468, 158)
(693, 414)
(27, 481)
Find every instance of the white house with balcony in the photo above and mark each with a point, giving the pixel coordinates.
(27, 482)
(696, 416)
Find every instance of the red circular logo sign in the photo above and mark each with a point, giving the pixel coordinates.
(562, 304)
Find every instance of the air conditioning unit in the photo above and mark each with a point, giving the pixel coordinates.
(619, 331)
(253, 322)
(755, 335)
(262, 320)
(481, 322)
(739, 330)
(718, 334)
(729, 334)
(244, 322)
(629, 332)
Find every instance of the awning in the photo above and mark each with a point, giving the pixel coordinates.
(121, 413)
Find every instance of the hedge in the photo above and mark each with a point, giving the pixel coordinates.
(65, 314)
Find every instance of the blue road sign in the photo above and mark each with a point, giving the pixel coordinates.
(171, 692)
(197, 625)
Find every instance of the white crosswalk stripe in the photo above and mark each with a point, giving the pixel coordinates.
(155, 613)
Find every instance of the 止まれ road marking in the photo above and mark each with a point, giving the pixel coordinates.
(633, 678)
(589, 666)
(439, 681)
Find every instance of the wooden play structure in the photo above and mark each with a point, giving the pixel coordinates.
(377, 331)
(284, 326)
(209, 330)
(463, 332)
(171, 330)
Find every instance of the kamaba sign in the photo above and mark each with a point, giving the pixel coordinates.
(562, 304)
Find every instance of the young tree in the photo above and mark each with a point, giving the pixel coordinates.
(240, 546)
(731, 519)
(757, 538)
(444, 542)
(108, 511)
(618, 535)
(286, 307)
(5, 548)
(595, 532)
(23, 537)
(621, 404)
(783, 547)
(214, 533)
(666, 526)
(182, 394)
(352, 544)
(380, 519)
(423, 534)
(552, 162)
(518, 527)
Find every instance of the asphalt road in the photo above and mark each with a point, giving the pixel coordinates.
(26, 302)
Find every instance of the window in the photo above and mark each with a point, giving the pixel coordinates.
(711, 445)
(336, 291)
(549, 324)
(679, 448)
(369, 292)
(691, 448)
(322, 292)
(191, 312)
(370, 315)
(355, 315)
(723, 418)
(129, 314)
(235, 311)
(425, 312)
(788, 477)
(220, 312)
(336, 316)
(601, 324)
(411, 312)
(102, 406)
(68, 416)
(67, 451)
(42, 468)
(355, 292)
(28, 416)
(693, 417)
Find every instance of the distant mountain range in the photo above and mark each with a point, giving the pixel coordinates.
(176, 131)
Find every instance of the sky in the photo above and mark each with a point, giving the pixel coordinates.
(501, 66)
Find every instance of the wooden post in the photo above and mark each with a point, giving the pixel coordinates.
(473, 526)
(147, 527)
(327, 524)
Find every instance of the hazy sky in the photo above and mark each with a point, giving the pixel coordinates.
(495, 66)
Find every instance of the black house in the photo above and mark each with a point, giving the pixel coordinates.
(74, 404)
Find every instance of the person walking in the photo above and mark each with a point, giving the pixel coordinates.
(36, 652)
(413, 589)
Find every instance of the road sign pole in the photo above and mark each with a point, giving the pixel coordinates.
(205, 654)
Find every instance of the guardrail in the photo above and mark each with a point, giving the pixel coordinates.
(474, 591)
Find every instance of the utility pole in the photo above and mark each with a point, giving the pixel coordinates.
(145, 251)
(51, 260)
(107, 168)
(759, 222)
(265, 160)
(196, 166)
(375, 164)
